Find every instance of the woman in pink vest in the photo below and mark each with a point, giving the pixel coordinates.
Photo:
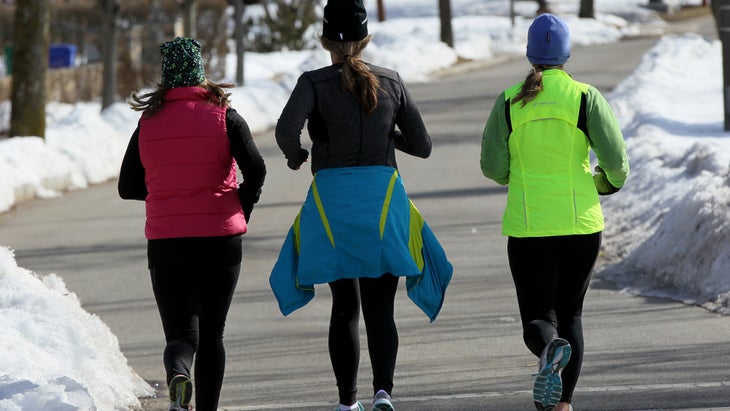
(181, 160)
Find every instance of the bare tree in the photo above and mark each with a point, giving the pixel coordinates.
(542, 7)
(716, 12)
(282, 25)
(30, 64)
(586, 9)
(447, 35)
(238, 33)
(188, 10)
(381, 10)
(109, 52)
(722, 26)
(154, 35)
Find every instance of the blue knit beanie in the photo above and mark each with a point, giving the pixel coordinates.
(548, 41)
(182, 63)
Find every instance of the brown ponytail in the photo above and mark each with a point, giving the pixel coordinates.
(150, 103)
(532, 85)
(356, 76)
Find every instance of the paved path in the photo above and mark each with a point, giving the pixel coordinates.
(641, 353)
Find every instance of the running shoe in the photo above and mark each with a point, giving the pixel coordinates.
(548, 384)
(360, 407)
(382, 402)
(181, 391)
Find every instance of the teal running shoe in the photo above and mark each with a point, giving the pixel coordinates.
(548, 385)
(382, 402)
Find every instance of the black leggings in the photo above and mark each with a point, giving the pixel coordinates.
(378, 296)
(193, 306)
(551, 276)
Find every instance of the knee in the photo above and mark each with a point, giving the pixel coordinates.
(537, 334)
(345, 312)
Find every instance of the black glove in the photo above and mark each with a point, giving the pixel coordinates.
(244, 197)
(247, 209)
(296, 162)
(603, 186)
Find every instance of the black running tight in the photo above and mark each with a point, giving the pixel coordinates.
(193, 306)
(551, 276)
(377, 296)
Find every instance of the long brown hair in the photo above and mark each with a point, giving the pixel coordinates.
(150, 103)
(357, 78)
(532, 84)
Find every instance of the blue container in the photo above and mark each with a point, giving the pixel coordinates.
(61, 55)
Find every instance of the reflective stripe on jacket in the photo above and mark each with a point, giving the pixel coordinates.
(551, 190)
(358, 222)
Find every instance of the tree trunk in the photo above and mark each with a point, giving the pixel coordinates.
(716, 12)
(586, 9)
(381, 10)
(30, 63)
(109, 52)
(188, 8)
(542, 7)
(153, 35)
(722, 20)
(447, 35)
(238, 9)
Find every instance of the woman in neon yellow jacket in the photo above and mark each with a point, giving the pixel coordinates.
(538, 140)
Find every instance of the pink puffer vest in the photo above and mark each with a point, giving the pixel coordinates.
(189, 170)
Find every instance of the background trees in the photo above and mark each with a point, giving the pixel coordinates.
(121, 39)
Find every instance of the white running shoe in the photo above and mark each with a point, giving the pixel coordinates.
(360, 407)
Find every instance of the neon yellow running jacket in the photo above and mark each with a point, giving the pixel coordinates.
(542, 151)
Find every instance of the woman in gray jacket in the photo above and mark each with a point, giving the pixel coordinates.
(357, 114)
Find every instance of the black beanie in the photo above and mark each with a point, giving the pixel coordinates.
(345, 20)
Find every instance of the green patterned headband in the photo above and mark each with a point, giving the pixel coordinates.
(182, 63)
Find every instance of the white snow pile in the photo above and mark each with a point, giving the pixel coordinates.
(668, 230)
(56, 356)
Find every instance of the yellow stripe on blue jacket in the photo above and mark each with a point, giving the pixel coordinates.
(359, 222)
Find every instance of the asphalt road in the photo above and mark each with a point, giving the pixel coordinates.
(641, 353)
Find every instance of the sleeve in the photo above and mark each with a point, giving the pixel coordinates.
(131, 184)
(247, 156)
(411, 136)
(606, 138)
(289, 127)
(494, 159)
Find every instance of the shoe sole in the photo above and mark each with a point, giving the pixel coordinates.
(548, 386)
(383, 406)
(181, 392)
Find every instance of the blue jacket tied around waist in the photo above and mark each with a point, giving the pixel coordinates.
(359, 222)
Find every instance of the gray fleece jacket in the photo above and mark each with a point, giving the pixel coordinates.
(342, 133)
